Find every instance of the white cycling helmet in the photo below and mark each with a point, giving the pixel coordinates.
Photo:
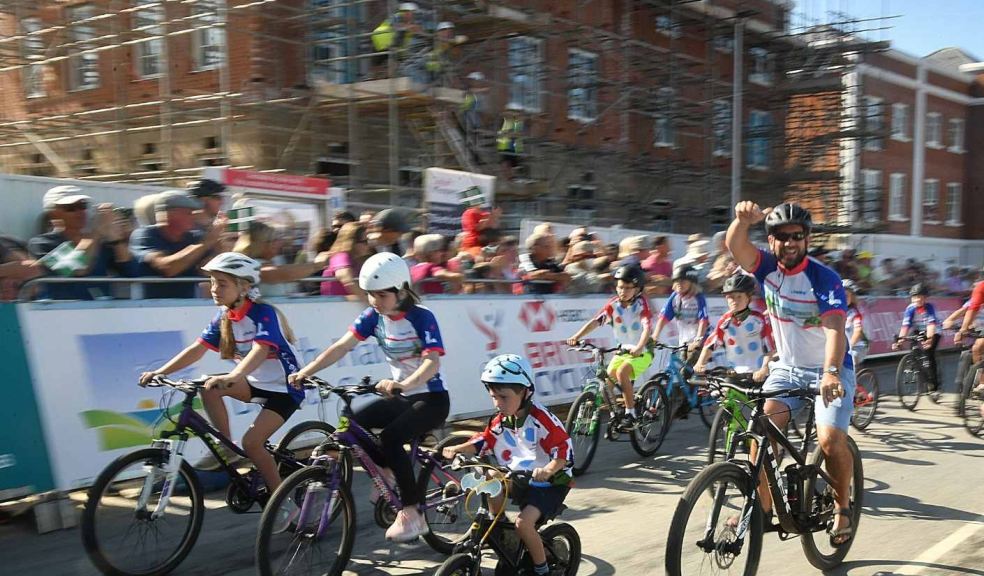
(508, 369)
(236, 264)
(384, 271)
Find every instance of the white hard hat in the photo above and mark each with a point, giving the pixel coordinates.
(384, 271)
(236, 264)
(476, 76)
(508, 369)
(445, 26)
(407, 7)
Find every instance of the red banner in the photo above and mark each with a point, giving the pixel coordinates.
(276, 182)
(883, 318)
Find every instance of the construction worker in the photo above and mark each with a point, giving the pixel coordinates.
(401, 32)
(473, 106)
(510, 142)
(438, 63)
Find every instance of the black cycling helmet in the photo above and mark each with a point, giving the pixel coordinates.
(788, 213)
(205, 187)
(739, 283)
(631, 273)
(686, 272)
(919, 289)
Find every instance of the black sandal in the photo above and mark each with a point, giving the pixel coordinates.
(844, 530)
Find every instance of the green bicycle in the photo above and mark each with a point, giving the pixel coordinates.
(731, 418)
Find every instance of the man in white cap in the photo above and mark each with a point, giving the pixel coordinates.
(400, 32)
(73, 248)
(174, 247)
(473, 107)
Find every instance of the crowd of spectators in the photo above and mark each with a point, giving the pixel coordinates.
(172, 233)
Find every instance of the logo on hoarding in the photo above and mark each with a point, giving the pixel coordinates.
(537, 316)
(488, 324)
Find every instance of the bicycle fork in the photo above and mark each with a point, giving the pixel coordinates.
(175, 450)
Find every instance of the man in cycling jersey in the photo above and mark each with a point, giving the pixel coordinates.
(973, 309)
(807, 305)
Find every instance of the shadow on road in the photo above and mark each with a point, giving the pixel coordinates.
(884, 566)
(594, 566)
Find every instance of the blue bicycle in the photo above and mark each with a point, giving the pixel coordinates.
(674, 380)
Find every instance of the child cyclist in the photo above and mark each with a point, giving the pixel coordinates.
(688, 307)
(745, 334)
(411, 340)
(257, 337)
(631, 320)
(524, 436)
(920, 316)
(854, 324)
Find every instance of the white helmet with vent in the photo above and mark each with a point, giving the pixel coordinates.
(236, 264)
(384, 271)
(508, 369)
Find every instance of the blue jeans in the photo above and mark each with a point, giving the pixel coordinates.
(836, 414)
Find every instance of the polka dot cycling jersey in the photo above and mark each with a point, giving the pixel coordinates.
(528, 444)
(744, 341)
(627, 322)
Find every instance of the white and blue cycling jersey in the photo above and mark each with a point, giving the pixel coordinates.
(918, 318)
(796, 300)
(404, 338)
(258, 322)
(688, 311)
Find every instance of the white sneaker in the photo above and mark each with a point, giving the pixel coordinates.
(406, 527)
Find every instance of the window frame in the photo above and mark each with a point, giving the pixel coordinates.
(81, 35)
(32, 47)
(951, 206)
(934, 119)
(142, 52)
(664, 125)
(208, 12)
(762, 69)
(526, 95)
(590, 105)
(755, 142)
(896, 205)
(956, 146)
(721, 132)
(873, 143)
(871, 195)
(902, 136)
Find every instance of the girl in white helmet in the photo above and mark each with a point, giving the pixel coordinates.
(257, 337)
(409, 336)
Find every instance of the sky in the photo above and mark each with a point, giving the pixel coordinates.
(921, 26)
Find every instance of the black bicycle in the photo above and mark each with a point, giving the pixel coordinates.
(718, 523)
(914, 376)
(493, 531)
(144, 512)
(971, 403)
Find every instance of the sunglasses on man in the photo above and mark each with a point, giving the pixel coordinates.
(784, 236)
(76, 207)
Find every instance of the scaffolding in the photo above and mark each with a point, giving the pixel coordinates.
(152, 91)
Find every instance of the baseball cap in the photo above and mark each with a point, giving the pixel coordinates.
(206, 188)
(175, 199)
(63, 196)
(391, 220)
(698, 248)
(583, 247)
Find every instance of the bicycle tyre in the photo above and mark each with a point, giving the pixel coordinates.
(700, 486)
(970, 411)
(582, 416)
(565, 532)
(908, 382)
(706, 409)
(652, 412)
(346, 513)
(90, 529)
(440, 542)
(866, 392)
(460, 564)
(324, 434)
(814, 555)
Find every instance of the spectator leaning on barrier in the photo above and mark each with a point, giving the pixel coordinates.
(474, 221)
(538, 265)
(347, 254)
(659, 267)
(73, 248)
(430, 275)
(584, 279)
(173, 247)
(385, 230)
(263, 243)
(212, 195)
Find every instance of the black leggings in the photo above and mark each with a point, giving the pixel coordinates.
(403, 420)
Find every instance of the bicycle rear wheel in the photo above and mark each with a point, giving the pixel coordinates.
(291, 538)
(819, 550)
(654, 419)
(972, 400)
(122, 531)
(907, 381)
(707, 407)
(703, 535)
(865, 399)
(584, 426)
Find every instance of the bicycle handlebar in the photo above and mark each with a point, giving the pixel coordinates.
(661, 346)
(756, 393)
(721, 374)
(366, 386)
(585, 346)
(186, 386)
(461, 461)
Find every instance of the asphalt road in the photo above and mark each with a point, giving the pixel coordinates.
(923, 512)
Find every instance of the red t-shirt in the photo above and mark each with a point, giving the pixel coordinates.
(977, 297)
(469, 225)
(423, 271)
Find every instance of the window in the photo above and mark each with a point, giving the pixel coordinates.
(953, 199)
(32, 48)
(666, 26)
(724, 42)
(721, 127)
(664, 128)
(759, 141)
(580, 203)
(871, 196)
(147, 24)
(896, 196)
(83, 69)
(934, 130)
(931, 197)
(582, 85)
(873, 123)
(330, 47)
(900, 121)
(525, 61)
(208, 42)
(956, 135)
(761, 69)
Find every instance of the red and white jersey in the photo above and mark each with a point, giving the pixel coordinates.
(746, 341)
(627, 322)
(529, 444)
(855, 321)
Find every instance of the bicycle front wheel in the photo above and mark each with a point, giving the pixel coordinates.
(123, 531)
(865, 399)
(443, 502)
(584, 426)
(972, 400)
(719, 445)
(703, 537)
(460, 565)
(654, 419)
(298, 535)
(300, 441)
(822, 553)
(563, 547)
(907, 383)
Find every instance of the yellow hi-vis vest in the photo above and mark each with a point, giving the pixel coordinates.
(509, 139)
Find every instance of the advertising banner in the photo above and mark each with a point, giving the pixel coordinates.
(447, 193)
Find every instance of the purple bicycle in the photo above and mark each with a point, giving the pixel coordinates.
(308, 527)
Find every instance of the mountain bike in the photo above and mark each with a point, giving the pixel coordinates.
(674, 381)
(971, 403)
(493, 531)
(915, 373)
(600, 394)
(865, 398)
(308, 527)
(144, 512)
(731, 417)
(718, 523)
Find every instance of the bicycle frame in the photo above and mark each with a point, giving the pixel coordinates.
(733, 402)
(672, 372)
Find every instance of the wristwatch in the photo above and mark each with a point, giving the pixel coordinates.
(833, 370)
